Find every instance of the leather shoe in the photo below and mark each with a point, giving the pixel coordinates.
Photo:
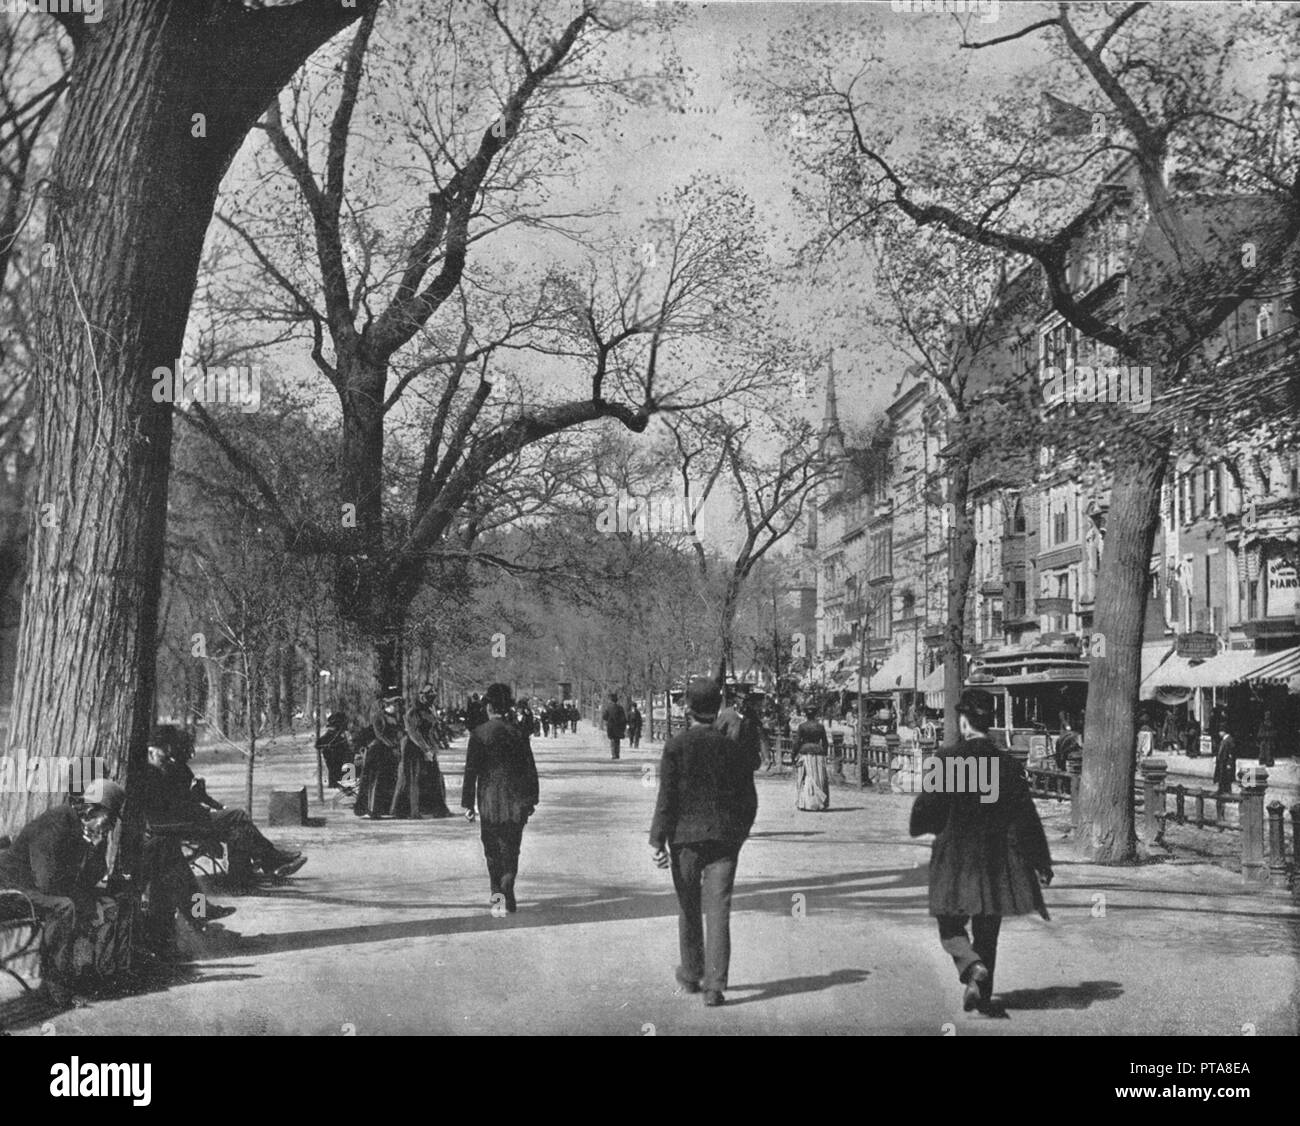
(977, 988)
(713, 998)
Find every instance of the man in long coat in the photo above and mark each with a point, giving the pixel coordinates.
(501, 782)
(706, 806)
(989, 858)
(614, 718)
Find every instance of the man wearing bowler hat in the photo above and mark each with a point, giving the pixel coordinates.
(706, 807)
(990, 855)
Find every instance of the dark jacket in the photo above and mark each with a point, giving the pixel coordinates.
(810, 738)
(986, 855)
(420, 725)
(614, 718)
(50, 856)
(706, 789)
(500, 774)
(166, 796)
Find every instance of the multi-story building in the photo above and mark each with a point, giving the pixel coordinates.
(1222, 622)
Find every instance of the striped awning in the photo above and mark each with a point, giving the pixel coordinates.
(1232, 666)
(1278, 668)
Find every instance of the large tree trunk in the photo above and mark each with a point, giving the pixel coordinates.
(131, 194)
(1106, 802)
(961, 561)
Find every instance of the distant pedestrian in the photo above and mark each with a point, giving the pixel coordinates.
(989, 858)
(705, 809)
(615, 720)
(812, 780)
(335, 748)
(634, 722)
(1266, 740)
(501, 781)
(1225, 763)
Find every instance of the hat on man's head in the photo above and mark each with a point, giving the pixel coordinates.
(498, 698)
(977, 706)
(703, 697)
(108, 795)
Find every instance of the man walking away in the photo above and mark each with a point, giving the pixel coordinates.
(335, 748)
(706, 807)
(614, 718)
(989, 858)
(634, 722)
(501, 778)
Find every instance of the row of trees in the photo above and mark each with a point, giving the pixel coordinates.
(957, 199)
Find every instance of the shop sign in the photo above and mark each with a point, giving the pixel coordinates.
(1196, 646)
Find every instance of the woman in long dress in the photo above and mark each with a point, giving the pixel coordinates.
(814, 784)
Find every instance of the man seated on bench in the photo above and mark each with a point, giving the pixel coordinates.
(173, 800)
(58, 861)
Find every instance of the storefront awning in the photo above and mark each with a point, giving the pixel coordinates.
(1153, 658)
(932, 686)
(1230, 667)
(897, 674)
(1280, 668)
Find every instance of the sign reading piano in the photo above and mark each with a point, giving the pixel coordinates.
(1283, 583)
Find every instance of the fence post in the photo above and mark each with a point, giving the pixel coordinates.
(1154, 773)
(1254, 782)
(863, 774)
(1295, 850)
(1277, 870)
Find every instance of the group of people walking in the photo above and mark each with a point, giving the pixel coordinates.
(989, 859)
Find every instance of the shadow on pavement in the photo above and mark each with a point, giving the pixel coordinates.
(788, 986)
(599, 905)
(1079, 996)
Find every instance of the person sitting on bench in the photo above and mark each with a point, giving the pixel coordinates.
(58, 860)
(171, 796)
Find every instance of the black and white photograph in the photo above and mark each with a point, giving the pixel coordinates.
(643, 518)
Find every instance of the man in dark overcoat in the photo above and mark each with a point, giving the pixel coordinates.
(989, 858)
(614, 718)
(501, 782)
(705, 809)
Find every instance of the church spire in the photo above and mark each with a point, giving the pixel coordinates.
(832, 435)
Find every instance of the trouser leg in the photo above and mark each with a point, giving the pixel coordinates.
(511, 836)
(984, 941)
(718, 880)
(686, 869)
(491, 838)
(954, 939)
(58, 915)
(236, 828)
(613, 746)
